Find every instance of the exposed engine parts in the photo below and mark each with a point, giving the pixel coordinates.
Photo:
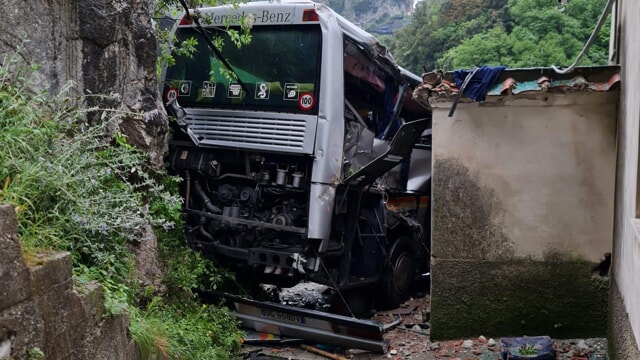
(234, 197)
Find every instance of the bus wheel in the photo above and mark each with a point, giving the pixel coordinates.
(399, 272)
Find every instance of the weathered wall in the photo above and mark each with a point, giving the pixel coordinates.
(626, 254)
(40, 309)
(522, 211)
(622, 342)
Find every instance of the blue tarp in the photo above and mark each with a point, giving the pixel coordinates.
(481, 81)
(543, 346)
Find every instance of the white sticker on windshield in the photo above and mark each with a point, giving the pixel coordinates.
(291, 91)
(235, 90)
(208, 89)
(262, 91)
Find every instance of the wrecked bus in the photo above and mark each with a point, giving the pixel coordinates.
(303, 155)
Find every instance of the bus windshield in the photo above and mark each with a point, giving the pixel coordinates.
(277, 68)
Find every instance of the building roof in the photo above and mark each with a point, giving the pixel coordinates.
(438, 86)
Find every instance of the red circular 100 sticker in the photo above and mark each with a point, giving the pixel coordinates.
(306, 101)
(171, 94)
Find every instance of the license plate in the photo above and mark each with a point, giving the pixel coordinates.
(277, 315)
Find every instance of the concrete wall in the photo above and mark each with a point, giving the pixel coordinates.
(523, 192)
(626, 254)
(40, 310)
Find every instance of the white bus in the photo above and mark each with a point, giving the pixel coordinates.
(295, 149)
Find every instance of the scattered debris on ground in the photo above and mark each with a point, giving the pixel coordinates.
(410, 340)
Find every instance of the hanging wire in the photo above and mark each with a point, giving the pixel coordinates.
(592, 38)
(335, 286)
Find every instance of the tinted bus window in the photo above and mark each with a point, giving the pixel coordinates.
(280, 64)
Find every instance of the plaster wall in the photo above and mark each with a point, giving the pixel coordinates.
(523, 210)
(548, 162)
(626, 255)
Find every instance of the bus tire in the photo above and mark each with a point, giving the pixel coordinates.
(399, 272)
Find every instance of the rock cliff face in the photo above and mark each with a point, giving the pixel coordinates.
(104, 47)
(379, 17)
(107, 50)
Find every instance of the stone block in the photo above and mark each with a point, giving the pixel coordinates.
(14, 275)
(22, 323)
(57, 310)
(60, 346)
(8, 220)
(114, 335)
(92, 298)
(55, 274)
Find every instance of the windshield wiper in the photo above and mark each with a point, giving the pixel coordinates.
(213, 47)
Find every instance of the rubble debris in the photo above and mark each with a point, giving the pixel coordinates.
(405, 343)
(404, 309)
(308, 295)
(467, 344)
(326, 354)
(435, 85)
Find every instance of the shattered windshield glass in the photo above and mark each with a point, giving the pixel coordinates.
(279, 70)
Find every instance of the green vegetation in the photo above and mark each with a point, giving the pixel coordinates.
(80, 187)
(453, 34)
(239, 32)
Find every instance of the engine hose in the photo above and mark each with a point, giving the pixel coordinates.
(206, 234)
(205, 199)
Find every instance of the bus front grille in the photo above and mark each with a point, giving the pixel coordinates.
(266, 132)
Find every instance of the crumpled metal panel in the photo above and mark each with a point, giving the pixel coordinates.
(313, 325)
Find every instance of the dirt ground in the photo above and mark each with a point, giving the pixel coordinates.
(410, 340)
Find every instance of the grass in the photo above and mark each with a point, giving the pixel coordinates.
(78, 186)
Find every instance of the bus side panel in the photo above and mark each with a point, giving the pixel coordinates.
(327, 167)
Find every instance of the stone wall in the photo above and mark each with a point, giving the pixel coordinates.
(40, 309)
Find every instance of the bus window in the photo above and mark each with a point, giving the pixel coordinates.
(279, 65)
